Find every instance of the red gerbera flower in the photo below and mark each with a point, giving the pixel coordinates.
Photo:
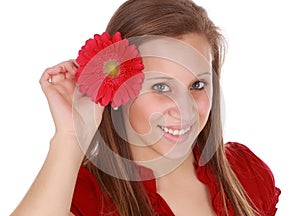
(110, 70)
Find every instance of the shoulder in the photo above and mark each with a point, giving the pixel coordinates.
(87, 197)
(255, 176)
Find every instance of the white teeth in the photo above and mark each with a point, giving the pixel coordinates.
(175, 132)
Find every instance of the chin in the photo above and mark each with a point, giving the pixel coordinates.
(177, 151)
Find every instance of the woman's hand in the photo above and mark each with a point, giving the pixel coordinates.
(76, 119)
(73, 113)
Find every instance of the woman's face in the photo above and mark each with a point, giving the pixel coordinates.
(175, 101)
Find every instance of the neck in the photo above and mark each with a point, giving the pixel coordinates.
(167, 168)
(183, 173)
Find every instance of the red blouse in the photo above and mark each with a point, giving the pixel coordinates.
(255, 176)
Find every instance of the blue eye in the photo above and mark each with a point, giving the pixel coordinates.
(198, 85)
(161, 87)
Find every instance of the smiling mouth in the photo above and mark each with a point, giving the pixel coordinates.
(175, 132)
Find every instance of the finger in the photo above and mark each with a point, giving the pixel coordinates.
(64, 70)
(57, 78)
(75, 63)
(46, 77)
(68, 66)
(70, 76)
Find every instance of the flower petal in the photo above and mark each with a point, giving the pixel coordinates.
(117, 37)
(106, 40)
(131, 52)
(99, 42)
(101, 86)
(128, 90)
(120, 48)
(105, 93)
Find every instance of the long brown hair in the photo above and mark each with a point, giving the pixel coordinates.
(168, 18)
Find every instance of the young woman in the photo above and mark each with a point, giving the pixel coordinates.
(162, 152)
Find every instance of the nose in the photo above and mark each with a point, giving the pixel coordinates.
(183, 107)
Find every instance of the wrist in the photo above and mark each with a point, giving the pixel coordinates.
(82, 140)
(68, 145)
(63, 136)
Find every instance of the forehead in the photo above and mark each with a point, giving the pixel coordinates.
(169, 55)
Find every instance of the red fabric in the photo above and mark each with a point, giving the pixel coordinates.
(255, 176)
(253, 173)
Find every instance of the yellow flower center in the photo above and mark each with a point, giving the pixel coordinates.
(111, 68)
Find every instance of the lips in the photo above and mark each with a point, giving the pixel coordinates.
(175, 131)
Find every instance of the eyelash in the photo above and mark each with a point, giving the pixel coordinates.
(197, 82)
(159, 86)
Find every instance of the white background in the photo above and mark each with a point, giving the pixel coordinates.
(260, 82)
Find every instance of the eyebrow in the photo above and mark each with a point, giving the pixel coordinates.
(162, 77)
(204, 73)
(171, 78)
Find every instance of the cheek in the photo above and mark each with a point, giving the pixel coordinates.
(203, 103)
(142, 112)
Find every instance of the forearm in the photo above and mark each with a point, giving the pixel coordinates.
(51, 192)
